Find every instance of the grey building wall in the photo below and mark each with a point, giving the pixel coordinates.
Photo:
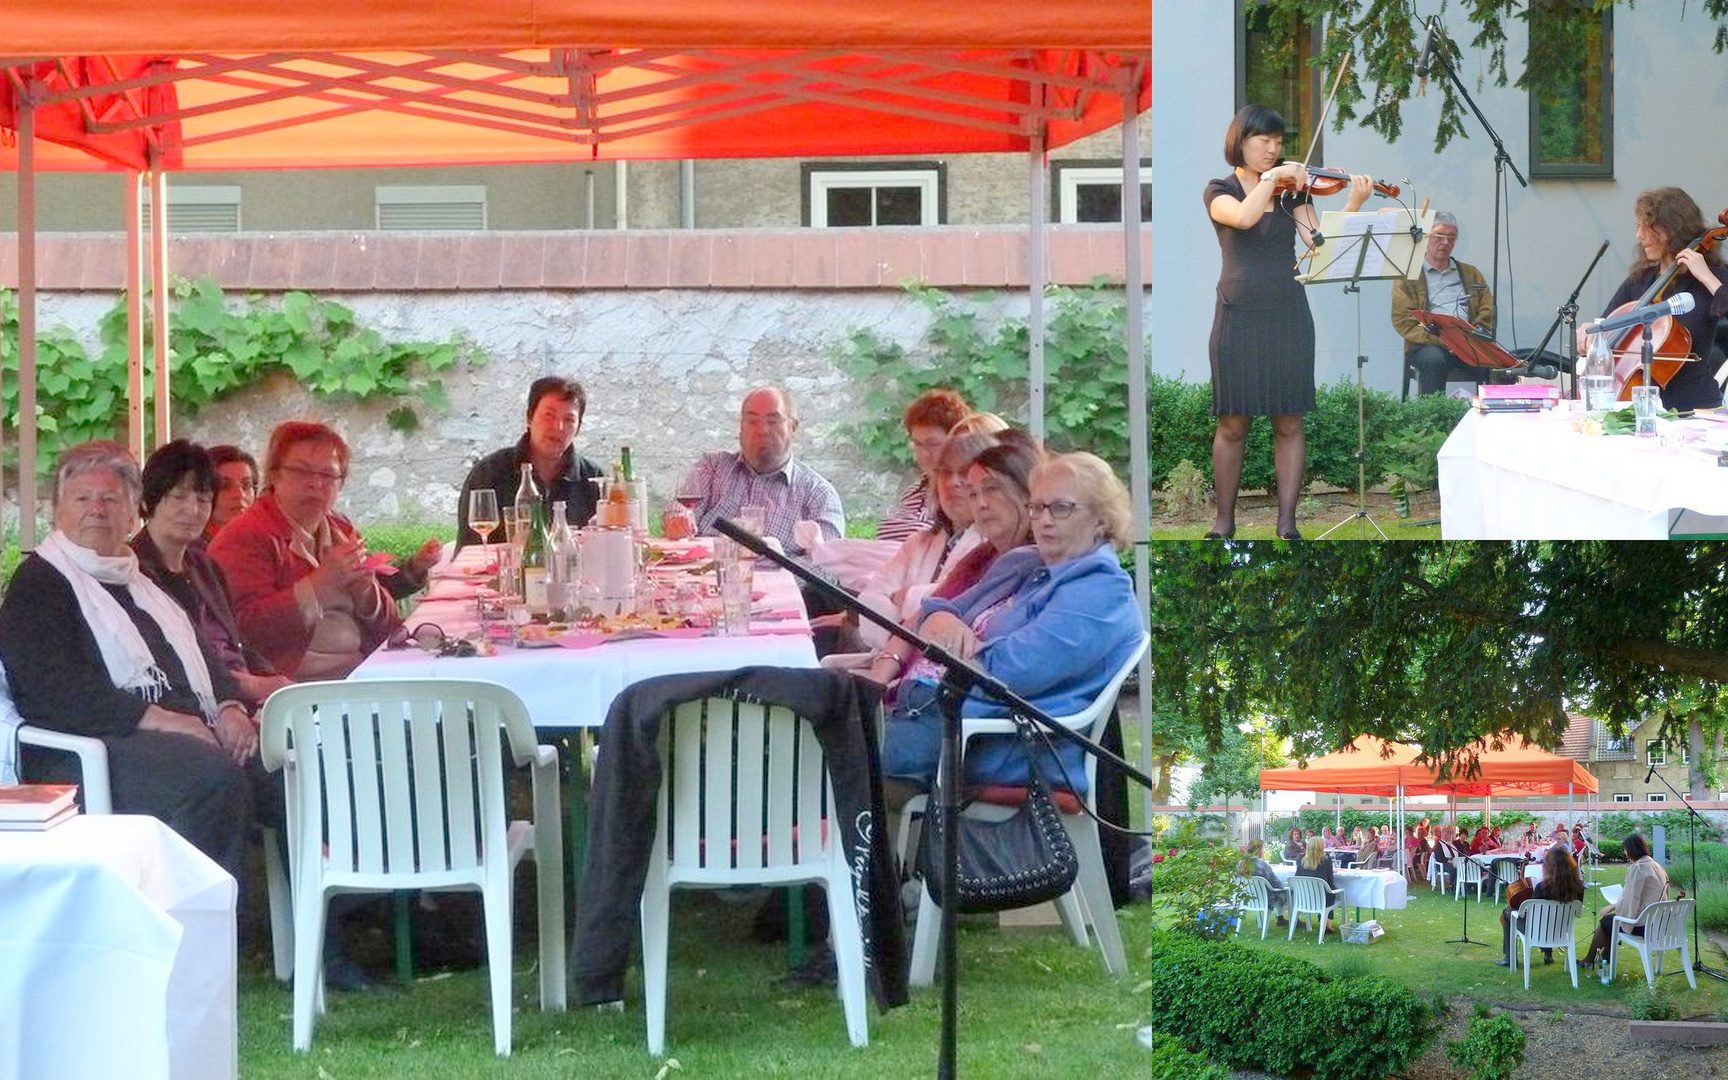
(1669, 87)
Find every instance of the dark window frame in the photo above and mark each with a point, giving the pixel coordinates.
(1316, 93)
(1574, 170)
(809, 169)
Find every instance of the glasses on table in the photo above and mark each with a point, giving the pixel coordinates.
(431, 638)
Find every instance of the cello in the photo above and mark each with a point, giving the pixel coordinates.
(1671, 342)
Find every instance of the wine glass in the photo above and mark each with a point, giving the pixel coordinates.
(483, 516)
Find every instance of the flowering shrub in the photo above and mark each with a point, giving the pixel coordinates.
(1196, 882)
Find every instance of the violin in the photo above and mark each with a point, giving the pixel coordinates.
(1671, 343)
(1324, 181)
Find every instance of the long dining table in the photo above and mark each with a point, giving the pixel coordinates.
(569, 680)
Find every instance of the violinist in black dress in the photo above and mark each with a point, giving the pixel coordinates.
(1667, 221)
(1262, 347)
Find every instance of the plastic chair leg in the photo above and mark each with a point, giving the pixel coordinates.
(496, 904)
(308, 964)
(926, 938)
(656, 911)
(848, 944)
(278, 889)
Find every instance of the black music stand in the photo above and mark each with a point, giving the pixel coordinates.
(960, 679)
(1568, 313)
(1357, 247)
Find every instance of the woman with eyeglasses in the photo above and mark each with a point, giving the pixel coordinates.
(305, 593)
(927, 420)
(1053, 621)
(180, 485)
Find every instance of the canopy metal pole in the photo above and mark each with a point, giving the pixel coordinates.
(135, 314)
(1036, 278)
(159, 288)
(1134, 295)
(26, 318)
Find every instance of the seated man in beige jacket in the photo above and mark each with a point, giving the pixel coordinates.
(1646, 883)
(1449, 287)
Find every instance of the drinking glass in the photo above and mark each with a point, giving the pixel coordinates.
(1646, 404)
(752, 519)
(483, 516)
(736, 581)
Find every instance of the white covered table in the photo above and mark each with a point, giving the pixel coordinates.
(1530, 476)
(116, 954)
(568, 688)
(1380, 889)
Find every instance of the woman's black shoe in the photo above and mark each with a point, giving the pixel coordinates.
(1214, 534)
(1289, 534)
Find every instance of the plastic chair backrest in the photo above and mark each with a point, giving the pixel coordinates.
(1506, 871)
(1091, 720)
(1548, 923)
(407, 775)
(747, 794)
(1259, 896)
(1469, 870)
(1665, 923)
(1308, 893)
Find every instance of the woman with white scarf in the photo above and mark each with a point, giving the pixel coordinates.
(93, 647)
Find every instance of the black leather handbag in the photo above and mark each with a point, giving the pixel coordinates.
(1024, 859)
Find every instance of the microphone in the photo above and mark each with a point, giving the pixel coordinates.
(1675, 305)
(1425, 62)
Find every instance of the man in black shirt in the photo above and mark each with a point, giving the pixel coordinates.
(555, 409)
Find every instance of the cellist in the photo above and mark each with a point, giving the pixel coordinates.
(1667, 221)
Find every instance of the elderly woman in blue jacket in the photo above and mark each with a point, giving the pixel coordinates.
(1052, 620)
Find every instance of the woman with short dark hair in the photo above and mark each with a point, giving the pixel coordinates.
(180, 483)
(928, 421)
(1262, 347)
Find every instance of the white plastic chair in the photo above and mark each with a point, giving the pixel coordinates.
(1506, 871)
(1256, 899)
(1469, 873)
(1664, 924)
(1546, 924)
(1310, 896)
(1088, 903)
(399, 784)
(98, 799)
(745, 800)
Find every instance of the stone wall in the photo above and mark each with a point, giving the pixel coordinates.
(664, 370)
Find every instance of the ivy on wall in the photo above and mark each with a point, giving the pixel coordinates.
(219, 345)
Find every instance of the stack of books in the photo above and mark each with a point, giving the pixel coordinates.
(1516, 397)
(35, 807)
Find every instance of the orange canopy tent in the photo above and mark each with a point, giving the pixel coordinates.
(1368, 766)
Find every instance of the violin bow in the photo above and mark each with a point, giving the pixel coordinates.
(1337, 80)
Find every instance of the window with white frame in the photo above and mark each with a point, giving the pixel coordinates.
(1656, 753)
(199, 208)
(430, 207)
(1092, 192)
(1656, 796)
(1616, 744)
(1622, 796)
(862, 196)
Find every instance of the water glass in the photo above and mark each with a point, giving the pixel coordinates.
(1646, 404)
(752, 519)
(736, 582)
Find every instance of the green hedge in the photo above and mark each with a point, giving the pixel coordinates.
(1171, 1061)
(1218, 997)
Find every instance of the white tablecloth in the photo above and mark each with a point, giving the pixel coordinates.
(1383, 889)
(1529, 476)
(573, 688)
(116, 954)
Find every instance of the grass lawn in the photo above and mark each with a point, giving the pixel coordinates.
(1414, 952)
(1310, 528)
(1031, 1004)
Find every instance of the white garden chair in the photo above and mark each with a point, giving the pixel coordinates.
(1545, 924)
(1088, 903)
(1469, 873)
(399, 784)
(1506, 871)
(1256, 898)
(1310, 896)
(745, 799)
(1664, 925)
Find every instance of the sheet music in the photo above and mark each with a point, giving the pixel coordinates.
(1357, 228)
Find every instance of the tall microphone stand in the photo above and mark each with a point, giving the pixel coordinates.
(1467, 939)
(1692, 819)
(1502, 162)
(959, 680)
(1568, 313)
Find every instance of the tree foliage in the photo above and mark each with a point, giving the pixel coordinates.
(1385, 37)
(1437, 644)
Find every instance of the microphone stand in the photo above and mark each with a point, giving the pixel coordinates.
(959, 680)
(1467, 939)
(1692, 819)
(1568, 313)
(1502, 161)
